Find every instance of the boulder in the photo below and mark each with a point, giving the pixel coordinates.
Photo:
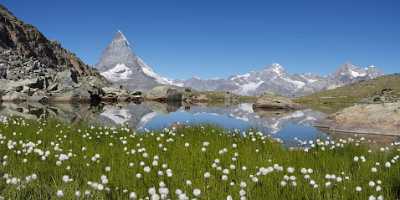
(366, 118)
(164, 94)
(275, 103)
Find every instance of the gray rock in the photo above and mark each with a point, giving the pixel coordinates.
(165, 94)
(381, 119)
(275, 103)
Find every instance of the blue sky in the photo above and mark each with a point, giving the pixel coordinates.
(208, 38)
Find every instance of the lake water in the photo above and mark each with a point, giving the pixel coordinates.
(287, 126)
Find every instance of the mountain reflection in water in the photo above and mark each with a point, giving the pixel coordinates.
(288, 126)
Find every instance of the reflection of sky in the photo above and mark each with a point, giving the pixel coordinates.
(288, 132)
(292, 130)
(164, 121)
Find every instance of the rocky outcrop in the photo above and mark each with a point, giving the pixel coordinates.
(28, 79)
(272, 102)
(27, 41)
(33, 68)
(113, 94)
(386, 95)
(368, 118)
(165, 94)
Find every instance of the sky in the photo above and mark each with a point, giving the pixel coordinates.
(208, 38)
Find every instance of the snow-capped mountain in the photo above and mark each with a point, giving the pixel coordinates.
(120, 65)
(275, 79)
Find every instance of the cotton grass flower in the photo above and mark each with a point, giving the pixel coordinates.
(60, 193)
(196, 192)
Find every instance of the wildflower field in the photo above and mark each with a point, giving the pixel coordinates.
(50, 160)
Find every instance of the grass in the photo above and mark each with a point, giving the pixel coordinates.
(339, 98)
(254, 165)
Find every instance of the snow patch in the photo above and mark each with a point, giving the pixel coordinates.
(117, 73)
(245, 88)
(241, 76)
(118, 116)
(356, 74)
(146, 119)
(149, 72)
(297, 84)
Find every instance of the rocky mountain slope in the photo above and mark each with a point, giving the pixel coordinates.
(35, 68)
(120, 65)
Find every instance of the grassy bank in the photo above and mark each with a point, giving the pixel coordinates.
(339, 98)
(46, 160)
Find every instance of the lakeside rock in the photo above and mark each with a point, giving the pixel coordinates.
(381, 119)
(165, 94)
(273, 102)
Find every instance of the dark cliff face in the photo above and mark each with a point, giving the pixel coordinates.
(27, 41)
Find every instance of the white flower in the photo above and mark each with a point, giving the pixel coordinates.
(387, 164)
(107, 169)
(152, 191)
(371, 184)
(147, 169)
(77, 193)
(132, 195)
(290, 169)
(100, 187)
(283, 183)
(372, 197)
(196, 192)
(242, 192)
(374, 169)
(66, 179)
(358, 189)
(355, 158)
(60, 193)
(207, 175)
(327, 184)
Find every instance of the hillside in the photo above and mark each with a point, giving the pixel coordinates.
(34, 68)
(336, 99)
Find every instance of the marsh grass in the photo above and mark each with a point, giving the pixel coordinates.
(181, 152)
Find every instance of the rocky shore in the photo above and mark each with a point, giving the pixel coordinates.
(382, 119)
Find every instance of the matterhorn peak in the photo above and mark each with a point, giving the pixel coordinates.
(120, 65)
(120, 39)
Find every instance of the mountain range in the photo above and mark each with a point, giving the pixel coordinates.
(120, 65)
